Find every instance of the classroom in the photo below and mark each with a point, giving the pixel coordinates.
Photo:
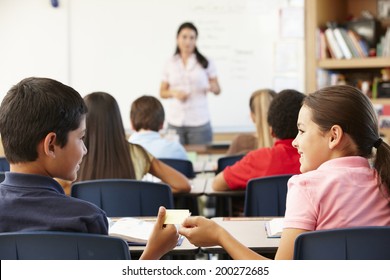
(231, 111)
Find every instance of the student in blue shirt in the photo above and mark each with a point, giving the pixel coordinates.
(147, 118)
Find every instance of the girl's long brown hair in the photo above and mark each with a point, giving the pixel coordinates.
(108, 150)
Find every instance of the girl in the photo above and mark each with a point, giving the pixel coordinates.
(338, 133)
(258, 104)
(111, 156)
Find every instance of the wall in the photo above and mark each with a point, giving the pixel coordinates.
(120, 46)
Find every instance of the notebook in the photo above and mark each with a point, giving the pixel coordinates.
(274, 228)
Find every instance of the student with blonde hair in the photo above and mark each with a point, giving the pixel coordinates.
(258, 105)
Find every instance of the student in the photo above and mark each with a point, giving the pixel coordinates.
(109, 153)
(187, 78)
(147, 118)
(280, 159)
(258, 104)
(42, 125)
(338, 134)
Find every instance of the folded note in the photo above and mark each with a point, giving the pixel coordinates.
(176, 216)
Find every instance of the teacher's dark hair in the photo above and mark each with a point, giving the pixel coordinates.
(199, 57)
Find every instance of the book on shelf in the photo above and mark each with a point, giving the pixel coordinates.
(384, 44)
(274, 227)
(355, 39)
(333, 45)
(132, 230)
(364, 47)
(322, 48)
(342, 43)
(349, 43)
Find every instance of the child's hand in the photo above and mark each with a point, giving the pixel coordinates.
(201, 232)
(163, 238)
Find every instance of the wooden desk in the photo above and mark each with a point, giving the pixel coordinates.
(211, 192)
(250, 232)
(213, 148)
(198, 185)
(205, 166)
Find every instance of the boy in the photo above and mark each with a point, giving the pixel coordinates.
(147, 118)
(281, 158)
(42, 125)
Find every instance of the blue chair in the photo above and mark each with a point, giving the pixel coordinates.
(186, 168)
(48, 245)
(4, 164)
(223, 162)
(125, 197)
(360, 243)
(183, 166)
(224, 205)
(266, 196)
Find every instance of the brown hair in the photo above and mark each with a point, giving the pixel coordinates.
(147, 112)
(33, 108)
(259, 103)
(108, 150)
(199, 57)
(349, 108)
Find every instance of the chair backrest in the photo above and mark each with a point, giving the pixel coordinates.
(183, 166)
(227, 161)
(125, 197)
(360, 243)
(266, 196)
(61, 246)
(4, 164)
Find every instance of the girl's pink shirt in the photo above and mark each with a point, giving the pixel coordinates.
(341, 193)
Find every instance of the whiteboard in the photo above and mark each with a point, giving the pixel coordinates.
(121, 46)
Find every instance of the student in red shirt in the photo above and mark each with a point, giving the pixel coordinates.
(281, 158)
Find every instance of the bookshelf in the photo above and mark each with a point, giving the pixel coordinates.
(317, 14)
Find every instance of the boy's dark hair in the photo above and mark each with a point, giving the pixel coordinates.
(283, 113)
(32, 109)
(147, 112)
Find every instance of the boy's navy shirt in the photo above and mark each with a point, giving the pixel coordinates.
(38, 203)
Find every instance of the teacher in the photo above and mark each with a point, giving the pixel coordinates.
(187, 78)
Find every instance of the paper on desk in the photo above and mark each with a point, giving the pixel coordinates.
(176, 216)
